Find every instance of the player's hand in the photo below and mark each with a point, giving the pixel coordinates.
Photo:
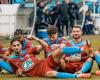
(19, 73)
(62, 45)
(87, 47)
(30, 37)
(54, 46)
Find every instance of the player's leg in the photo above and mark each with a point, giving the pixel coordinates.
(97, 58)
(67, 66)
(66, 75)
(86, 68)
(57, 54)
(6, 66)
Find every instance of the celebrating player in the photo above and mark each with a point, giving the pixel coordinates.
(25, 62)
(78, 62)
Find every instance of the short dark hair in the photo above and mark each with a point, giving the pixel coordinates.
(13, 40)
(77, 26)
(52, 30)
(18, 31)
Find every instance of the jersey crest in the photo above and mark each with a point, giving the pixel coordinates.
(27, 64)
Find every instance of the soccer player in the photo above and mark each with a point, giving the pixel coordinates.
(25, 42)
(96, 56)
(1, 49)
(1, 52)
(74, 63)
(25, 62)
(53, 40)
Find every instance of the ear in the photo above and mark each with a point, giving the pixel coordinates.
(81, 32)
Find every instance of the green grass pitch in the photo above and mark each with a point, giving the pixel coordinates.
(95, 44)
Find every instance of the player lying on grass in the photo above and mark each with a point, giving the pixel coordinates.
(25, 43)
(25, 62)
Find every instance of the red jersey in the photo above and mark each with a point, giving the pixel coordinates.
(25, 44)
(52, 46)
(1, 48)
(80, 44)
(30, 65)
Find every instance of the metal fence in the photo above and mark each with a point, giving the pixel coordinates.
(9, 23)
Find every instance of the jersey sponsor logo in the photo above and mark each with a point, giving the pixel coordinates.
(27, 64)
(76, 56)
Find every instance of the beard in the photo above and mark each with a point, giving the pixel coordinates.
(76, 37)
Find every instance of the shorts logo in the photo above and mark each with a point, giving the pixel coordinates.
(27, 64)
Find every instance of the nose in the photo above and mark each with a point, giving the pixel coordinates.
(16, 47)
(51, 39)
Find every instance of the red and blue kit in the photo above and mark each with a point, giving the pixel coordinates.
(73, 66)
(31, 65)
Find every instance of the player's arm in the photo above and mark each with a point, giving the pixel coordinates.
(6, 54)
(68, 59)
(40, 41)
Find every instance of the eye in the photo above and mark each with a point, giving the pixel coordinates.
(14, 45)
(18, 44)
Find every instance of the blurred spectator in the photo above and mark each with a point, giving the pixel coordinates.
(88, 24)
(39, 16)
(31, 17)
(56, 18)
(46, 18)
(98, 8)
(3, 1)
(69, 12)
(73, 14)
(64, 16)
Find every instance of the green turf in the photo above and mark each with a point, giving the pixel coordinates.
(95, 44)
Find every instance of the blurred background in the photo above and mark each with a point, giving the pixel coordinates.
(20, 14)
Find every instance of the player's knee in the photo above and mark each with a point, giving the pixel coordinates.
(90, 59)
(96, 53)
(51, 74)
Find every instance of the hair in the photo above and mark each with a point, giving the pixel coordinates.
(13, 40)
(18, 31)
(77, 26)
(52, 30)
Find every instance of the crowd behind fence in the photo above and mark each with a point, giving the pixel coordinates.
(64, 16)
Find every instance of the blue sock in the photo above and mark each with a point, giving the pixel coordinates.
(97, 58)
(86, 66)
(71, 50)
(65, 75)
(6, 66)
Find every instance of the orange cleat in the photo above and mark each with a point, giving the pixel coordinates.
(97, 73)
(85, 75)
